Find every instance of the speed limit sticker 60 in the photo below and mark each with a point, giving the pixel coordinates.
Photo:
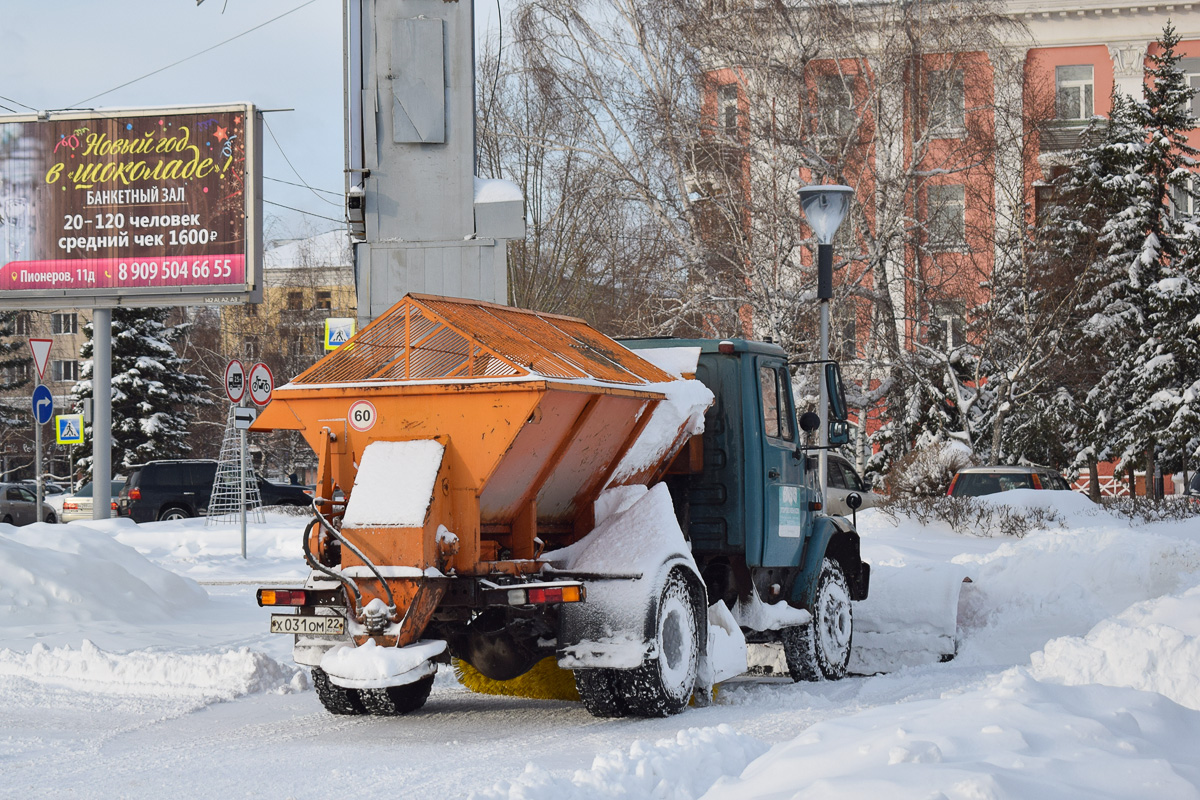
(362, 415)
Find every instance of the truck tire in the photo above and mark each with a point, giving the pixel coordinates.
(820, 650)
(663, 684)
(599, 692)
(394, 701)
(336, 699)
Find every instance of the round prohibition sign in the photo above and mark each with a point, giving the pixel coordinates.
(362, 415)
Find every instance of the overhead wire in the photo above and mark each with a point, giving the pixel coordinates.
(16, 102)
(193, 55)
(310, 214)
(302, 186)
(290, 164)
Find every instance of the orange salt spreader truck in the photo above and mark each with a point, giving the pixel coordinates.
(513, 489)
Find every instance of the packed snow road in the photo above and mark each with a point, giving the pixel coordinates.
(1078, 675)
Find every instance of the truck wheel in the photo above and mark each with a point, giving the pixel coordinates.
(820, 650)
(396, 700)
(336, 699)
(599, 692)
(664, 682)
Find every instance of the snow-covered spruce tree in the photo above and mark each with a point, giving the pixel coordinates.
(13, 352)
(1073, 275)
(1150, 301)
(151, 390)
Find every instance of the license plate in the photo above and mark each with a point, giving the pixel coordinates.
(328, 625)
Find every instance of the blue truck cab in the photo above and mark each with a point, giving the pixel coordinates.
(752, 511)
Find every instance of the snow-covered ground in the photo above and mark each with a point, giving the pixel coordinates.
(135, 663)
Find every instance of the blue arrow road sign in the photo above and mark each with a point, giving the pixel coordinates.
(43, 404)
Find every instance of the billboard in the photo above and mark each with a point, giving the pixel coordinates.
(131, 207)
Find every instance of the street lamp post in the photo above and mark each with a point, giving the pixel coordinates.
(824, 207)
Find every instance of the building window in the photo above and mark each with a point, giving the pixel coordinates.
(835, 105)
(64, 370)
(1073, 92)
(325, 300)
(946, 207)
(1190, 67)
(947, 103)
(295, 301)
(947, 324)
(64, 323)
(15, 374)
(22, 325)
(1183, 199)
(729, 109)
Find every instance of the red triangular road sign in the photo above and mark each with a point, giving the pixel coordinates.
(41, 354)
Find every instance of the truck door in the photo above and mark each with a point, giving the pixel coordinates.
(784, 498)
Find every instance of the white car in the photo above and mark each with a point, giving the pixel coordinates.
(843, 479)
(79, 505)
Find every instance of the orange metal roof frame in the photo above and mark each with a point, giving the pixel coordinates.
(427, 337)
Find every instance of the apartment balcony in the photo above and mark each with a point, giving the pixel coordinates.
(1062, 137)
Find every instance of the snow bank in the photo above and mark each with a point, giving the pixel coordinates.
(679, 768)
(1012, 738)
(497, 190)
(51, 574)
(394, 484)
(210, 677)
(1154, 646)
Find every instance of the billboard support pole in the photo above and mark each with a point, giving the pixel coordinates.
(101, 412)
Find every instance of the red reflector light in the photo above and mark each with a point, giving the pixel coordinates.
(536, 595)
(725, 348)
(135, 494)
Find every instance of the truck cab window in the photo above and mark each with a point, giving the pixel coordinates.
(777, 417)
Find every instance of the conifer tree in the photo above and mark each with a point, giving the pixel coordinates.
(151, 391)
(13, 352)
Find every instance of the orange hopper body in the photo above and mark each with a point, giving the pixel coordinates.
(534, 413)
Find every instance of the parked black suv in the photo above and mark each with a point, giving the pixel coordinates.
(181, 488)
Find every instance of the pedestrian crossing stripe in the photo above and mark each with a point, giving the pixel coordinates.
(68, 429)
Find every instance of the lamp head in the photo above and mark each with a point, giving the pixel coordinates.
(825, 207)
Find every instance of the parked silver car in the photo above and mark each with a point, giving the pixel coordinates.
(79, 505)
(18, 504)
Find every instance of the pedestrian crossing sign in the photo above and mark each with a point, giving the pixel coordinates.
(68, 428)
(338, 331)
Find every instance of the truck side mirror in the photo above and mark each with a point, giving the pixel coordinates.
(810, 421)
(854, 501)
(839, 432)
(837, 394)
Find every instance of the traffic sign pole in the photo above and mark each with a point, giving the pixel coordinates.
(37, 459)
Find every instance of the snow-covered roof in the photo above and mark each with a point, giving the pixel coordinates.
(331, 249)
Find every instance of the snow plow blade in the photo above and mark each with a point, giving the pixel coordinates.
(910, 618)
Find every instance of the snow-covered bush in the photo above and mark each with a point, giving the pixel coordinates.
(927, 470)
(974, 516)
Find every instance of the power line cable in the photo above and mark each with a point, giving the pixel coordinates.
(302, 211)
(6, 108)
(302, 186)
(294, 170)
(16, 102)
(194, 55)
